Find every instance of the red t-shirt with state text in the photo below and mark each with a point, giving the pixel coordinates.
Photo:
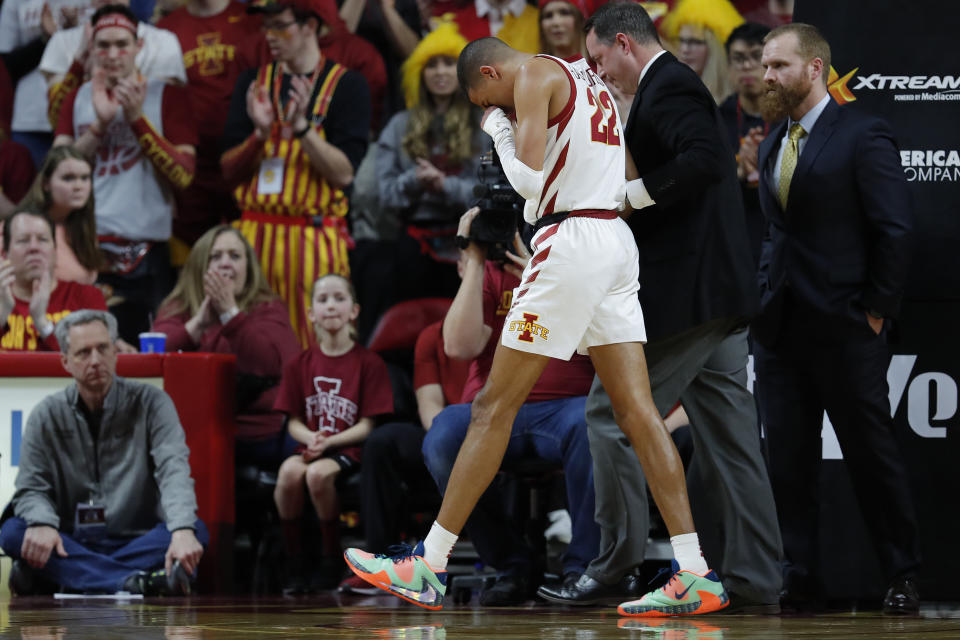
(431, 365)
(330, 394)
(215, 50)
(19, 333)
(560, 379)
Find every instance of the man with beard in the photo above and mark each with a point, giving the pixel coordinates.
(832, 271)
(697, 292)
(741, 117)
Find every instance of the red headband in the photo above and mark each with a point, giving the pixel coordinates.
(115, 20)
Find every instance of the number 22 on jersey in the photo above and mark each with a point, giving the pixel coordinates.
(603, 123)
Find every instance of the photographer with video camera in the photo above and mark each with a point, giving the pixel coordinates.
(549, 426)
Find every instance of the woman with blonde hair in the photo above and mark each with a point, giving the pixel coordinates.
(427, 161)
(63, 189)
(223, 304)
(698, 30)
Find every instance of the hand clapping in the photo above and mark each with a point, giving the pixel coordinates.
(219, 290)
(7, 301)
(260, 109)
(130, 94)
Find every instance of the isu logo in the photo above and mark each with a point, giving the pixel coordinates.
(528, 328)
(210, 54)
(326, 406)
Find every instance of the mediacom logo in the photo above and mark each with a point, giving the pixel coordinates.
(931, 165)
(924, 88)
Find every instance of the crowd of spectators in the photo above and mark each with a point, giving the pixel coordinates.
(265, 179)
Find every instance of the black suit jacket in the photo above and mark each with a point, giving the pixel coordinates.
(695, 258)
(845, 241)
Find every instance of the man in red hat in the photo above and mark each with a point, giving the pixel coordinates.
(219, 41)
(296, 131)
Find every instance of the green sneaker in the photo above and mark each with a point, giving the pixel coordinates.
(404, 573)
(685, 593)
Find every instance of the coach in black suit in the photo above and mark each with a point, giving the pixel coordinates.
(832, 271)
(698, 291)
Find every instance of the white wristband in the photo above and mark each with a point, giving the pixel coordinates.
(227, 316)
(638, 195)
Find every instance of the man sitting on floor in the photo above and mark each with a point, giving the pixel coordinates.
(104, 499)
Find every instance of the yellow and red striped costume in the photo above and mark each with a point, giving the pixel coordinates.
(300, 233)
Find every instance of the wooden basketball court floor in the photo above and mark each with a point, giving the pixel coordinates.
(332, 616)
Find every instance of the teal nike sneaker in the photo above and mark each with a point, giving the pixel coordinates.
(686, 593)
(403, 572)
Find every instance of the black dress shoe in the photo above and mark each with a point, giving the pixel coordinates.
(799, 601)
(742, 605)
(588, 592)
(507, 591)
(902, 598)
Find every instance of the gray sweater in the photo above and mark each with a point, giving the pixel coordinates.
(138, 469)
(402, 194)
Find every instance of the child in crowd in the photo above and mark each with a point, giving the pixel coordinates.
(63, 189)
(331, 394)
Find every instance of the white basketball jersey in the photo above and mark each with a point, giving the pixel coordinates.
(584, 162)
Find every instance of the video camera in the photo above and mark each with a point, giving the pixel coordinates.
(501, 209)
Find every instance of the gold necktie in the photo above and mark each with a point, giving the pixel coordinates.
(789, 162)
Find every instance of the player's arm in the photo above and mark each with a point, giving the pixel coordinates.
(522, 156)
(537, 78)
(632, 174)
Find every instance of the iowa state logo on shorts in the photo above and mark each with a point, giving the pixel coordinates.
(528, 328)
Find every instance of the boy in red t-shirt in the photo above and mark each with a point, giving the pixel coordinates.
(219, 40)
(331, 394)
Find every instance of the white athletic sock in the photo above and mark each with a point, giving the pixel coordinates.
(438, 546)
(686, 549)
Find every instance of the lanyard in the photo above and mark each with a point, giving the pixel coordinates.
(278, 82)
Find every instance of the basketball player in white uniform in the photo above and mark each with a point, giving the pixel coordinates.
(578, 292)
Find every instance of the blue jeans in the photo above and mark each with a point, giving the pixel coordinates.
(553, 430)
(101, 564)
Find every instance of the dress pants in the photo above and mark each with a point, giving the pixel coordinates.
(820, 365)
(732, 502)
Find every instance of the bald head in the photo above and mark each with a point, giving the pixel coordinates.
(479, 53)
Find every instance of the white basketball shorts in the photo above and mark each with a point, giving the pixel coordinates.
(578, 291)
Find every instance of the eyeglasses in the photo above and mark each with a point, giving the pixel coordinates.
(692, 42)
(741, 60)
(277, 27)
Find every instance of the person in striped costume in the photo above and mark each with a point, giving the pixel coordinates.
(295, 134)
